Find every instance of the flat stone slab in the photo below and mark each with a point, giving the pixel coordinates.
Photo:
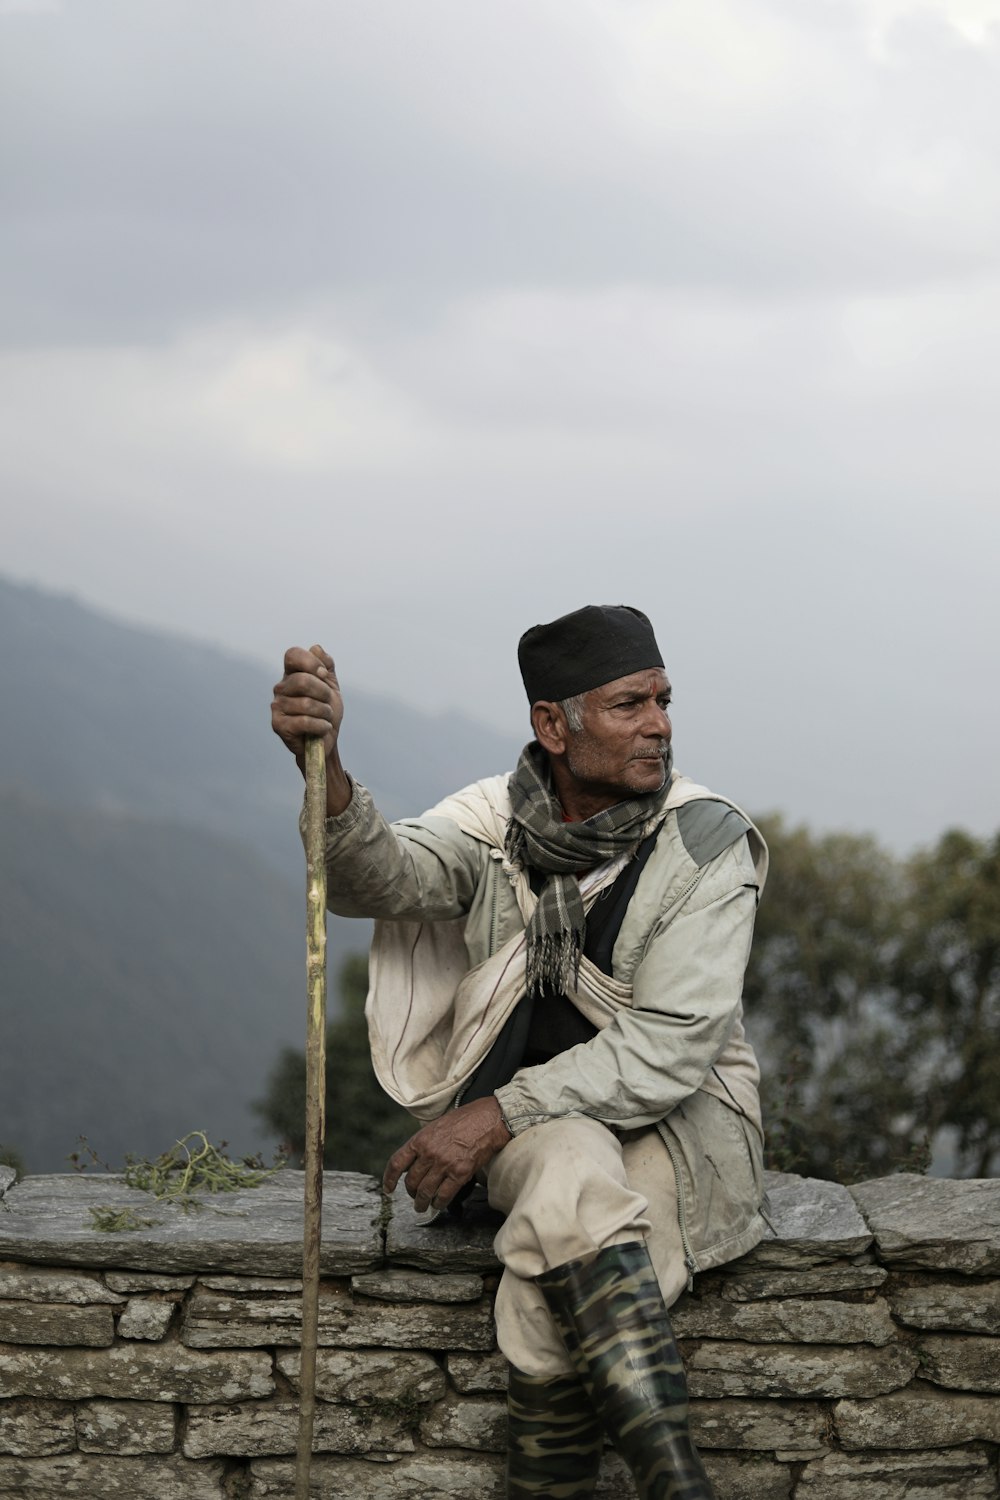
(419, 1477)
(938, 1223)
(257, 1231)
(136, 1372)
(418, 1286)
(262, 1428)
(899, 1476)
(366, 1377)
(963, 1362)
(214, 1321)
(973, 1307)
(36, 1429)
(805, 1320)
(33, 1285)
(86, 1476)
(919, 1417)
(56, 1323)
(129, 1427)
(762, 1426)
(439, 1242)
(811, 1221)
(819, 1280)
(479, 1426)
(795, 1370)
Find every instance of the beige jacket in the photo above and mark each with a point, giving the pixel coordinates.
(448, 966)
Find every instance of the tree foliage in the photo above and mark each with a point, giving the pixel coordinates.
(363, 1125)
(873, 997)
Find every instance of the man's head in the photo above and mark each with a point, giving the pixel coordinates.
(599, 698)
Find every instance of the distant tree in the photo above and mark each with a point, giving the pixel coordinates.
(363, 1125)
(947, 976)
(873, 995)
(820, 1006)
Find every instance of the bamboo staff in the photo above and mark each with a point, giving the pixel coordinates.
(315, 1101)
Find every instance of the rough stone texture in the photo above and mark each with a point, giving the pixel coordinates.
(919, 1417)
(614, 1482)
(965, 1362)
(814, 1221)
(36, 1429)
(479, 1425)
(39, 1323)
(141, 1372)
(30, 1284)
(477, 1372)
(762, 1426)
(441, 1243)
(425, 1476)
(824, 1280)
(256, 1232)
(262, 1428)
(7, 1178)
(147, 1281)
(290, 1284)
(803, 1321)
(418, 1286)
(129, 1427)
(365, 1376)
(85, 1476)
(803, 1381)
(718, 1369)
(899, 1476)
(973, 1307)
(749, 1477)
(145, 1318)
(216, 1322)
(930, 1221)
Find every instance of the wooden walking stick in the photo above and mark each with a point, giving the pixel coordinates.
(315, 1101)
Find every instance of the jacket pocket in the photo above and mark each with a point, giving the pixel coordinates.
(718, 1156)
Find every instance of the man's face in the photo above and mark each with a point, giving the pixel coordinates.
(622, 747)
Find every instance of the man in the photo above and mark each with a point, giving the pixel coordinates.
(555, 988)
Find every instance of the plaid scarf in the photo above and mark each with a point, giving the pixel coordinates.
(538, 837)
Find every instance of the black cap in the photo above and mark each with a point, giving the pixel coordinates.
(584, 650)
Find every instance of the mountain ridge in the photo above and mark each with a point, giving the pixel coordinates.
(152, 877)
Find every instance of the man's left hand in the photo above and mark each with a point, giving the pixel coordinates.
(445, 1155)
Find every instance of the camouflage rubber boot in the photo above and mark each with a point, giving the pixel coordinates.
(614, 1323)
(554, 1439)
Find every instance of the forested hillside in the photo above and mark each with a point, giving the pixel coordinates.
(151, 924)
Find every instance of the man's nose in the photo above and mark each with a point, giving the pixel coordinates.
(657, 724)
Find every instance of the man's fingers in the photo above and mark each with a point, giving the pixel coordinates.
(441, 1196)
(325, 658)
(397, 1165)
(306, 685)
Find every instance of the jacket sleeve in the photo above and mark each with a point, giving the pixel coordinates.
(686, 998)
(426, 870)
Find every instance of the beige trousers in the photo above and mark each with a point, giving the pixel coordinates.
(569, 1188)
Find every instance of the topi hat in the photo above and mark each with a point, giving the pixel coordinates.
(584, 650)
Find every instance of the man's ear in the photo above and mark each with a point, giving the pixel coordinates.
(551, 730)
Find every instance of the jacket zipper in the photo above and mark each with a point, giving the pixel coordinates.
(689, 1260)
(495, 909)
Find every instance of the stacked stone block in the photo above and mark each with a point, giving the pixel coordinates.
(855, 1352)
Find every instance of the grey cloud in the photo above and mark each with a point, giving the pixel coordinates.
(167, 163)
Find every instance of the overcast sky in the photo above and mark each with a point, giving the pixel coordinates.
(404, 324)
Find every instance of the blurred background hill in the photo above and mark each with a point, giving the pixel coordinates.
(151, 907)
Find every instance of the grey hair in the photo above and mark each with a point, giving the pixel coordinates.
(573, 709)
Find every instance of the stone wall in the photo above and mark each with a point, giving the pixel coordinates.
(855, 1352)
